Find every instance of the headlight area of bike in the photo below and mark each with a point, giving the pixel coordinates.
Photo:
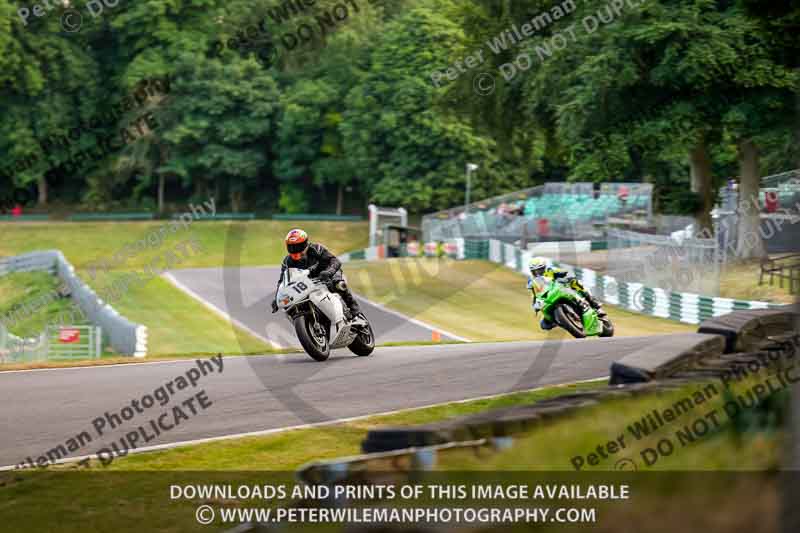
(540, 285)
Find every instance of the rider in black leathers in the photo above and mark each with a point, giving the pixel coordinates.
(323, 264)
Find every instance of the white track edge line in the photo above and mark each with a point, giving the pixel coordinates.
(220, 312)
(137, 362)
(413, 320)
(132, 363)
(273, 431)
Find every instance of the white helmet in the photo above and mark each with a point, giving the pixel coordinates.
(537, 266)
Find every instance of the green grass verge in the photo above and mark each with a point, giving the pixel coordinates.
(260, 242)
(723, 478)
(746, 440)
(740, 281)
(36, 290)
(475, 299)
(179, 324)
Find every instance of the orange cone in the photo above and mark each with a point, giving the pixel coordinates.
(436, 336)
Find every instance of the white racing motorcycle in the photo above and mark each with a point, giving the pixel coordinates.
(318, 317)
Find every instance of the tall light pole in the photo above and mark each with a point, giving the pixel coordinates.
(471, 167)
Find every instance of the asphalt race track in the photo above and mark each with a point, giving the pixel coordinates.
(248, 297)
(43, 409)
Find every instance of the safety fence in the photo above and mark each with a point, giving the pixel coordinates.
(687, 307)
(55, 343)
(124, 336)
(14, 349)
(553, 211)
(779, 191)
(778, 205)
(688, 263)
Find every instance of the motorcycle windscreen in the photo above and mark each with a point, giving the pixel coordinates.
(538, 284)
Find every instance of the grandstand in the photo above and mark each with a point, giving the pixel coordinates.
(777, 193)
(554, 211)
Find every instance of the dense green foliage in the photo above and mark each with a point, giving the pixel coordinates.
(346, 110)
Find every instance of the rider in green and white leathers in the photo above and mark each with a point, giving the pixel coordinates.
(541, 267)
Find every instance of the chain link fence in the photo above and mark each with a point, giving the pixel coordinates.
(56, 343)
(778, 205)
(687, 264)
(15, 349)
(551, 212)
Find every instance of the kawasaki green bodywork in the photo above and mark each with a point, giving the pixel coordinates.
(556, 293)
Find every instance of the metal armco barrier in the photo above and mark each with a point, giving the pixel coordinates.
(124, 336)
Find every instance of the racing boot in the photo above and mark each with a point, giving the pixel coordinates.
(597, 306)
(583, 304)
(352, 306)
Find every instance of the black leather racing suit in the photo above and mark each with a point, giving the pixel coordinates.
(323, 264)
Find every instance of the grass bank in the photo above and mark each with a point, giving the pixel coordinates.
(737, 280)
(28, 302)
(234, 243)
(741, 281)
(742, 440)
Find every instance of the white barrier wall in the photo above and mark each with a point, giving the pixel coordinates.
(557, 249)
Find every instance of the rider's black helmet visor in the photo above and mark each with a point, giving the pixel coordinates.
(297, 248)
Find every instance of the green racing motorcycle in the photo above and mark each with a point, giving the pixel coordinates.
(564, 307)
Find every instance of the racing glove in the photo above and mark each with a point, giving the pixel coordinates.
(325, 276)
(274, 306)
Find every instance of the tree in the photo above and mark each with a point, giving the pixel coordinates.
(40, 103)
(656, 79)
(408, 151)
(217, 125)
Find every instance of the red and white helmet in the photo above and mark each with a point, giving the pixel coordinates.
(296, 243)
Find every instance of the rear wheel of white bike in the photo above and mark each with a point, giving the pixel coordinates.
(364, 342)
